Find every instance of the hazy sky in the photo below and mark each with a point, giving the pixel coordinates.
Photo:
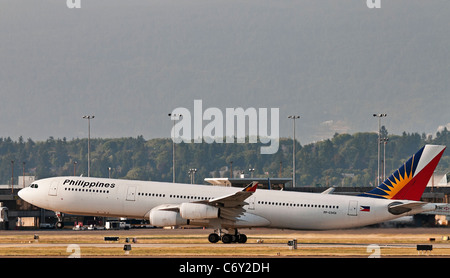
(130, 63)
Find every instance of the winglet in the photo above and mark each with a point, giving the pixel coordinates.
(251, 187)
(328, 191)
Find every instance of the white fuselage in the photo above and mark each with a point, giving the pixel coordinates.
(135, 199)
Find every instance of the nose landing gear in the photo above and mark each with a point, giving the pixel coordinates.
(229, 237)
(59, 223)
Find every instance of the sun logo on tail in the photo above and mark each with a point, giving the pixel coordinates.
(397, 181)
(409, 181)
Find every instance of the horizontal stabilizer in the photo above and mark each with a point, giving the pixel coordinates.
(398, 208)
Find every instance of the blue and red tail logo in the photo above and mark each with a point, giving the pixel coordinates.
(409, 181)
(251, 187)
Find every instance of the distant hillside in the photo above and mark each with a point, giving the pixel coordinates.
(349, 160)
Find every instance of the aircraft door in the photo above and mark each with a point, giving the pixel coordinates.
(251, 203)
(53, 190)
(131, 193)
(353, 208)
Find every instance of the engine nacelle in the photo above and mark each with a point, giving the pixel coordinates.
(163, 218)
(198, 211)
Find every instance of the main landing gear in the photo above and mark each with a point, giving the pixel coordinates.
(229, 237)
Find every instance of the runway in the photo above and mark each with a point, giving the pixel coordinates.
(262, 243)
(209, 245)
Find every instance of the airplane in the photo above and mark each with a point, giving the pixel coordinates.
(228, 209)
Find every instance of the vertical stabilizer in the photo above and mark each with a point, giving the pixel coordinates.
(409, 181)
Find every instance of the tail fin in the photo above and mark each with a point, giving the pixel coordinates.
(409, 181)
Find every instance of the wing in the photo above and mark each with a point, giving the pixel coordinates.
(234, 200)
(231, 206)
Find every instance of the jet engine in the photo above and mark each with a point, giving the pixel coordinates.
(198, 211)
(163, 218)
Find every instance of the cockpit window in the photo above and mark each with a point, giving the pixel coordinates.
(34, 185)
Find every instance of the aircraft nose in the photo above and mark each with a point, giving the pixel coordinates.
(24, 194)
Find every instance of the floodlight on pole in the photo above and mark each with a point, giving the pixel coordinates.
(251, 170)
(191, 173)
(379, 116)
(89, 142)
(293, 117)
(384, 141)
(174, 117)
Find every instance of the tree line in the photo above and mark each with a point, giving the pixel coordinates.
(344, 160)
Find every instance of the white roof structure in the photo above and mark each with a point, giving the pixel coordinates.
(438, 180)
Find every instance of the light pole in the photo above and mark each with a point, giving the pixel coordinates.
(293, 117)
(75, 168)
(251, 170)
(192, 172)
(379, 116)
(384, 140)
(89, 142)
(23, 174)
(231, 169)
(12, 176)
(174, 117)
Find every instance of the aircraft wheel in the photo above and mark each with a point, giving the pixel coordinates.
(59, 225)
(226, 238)
(242, 238)
(213, 238)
